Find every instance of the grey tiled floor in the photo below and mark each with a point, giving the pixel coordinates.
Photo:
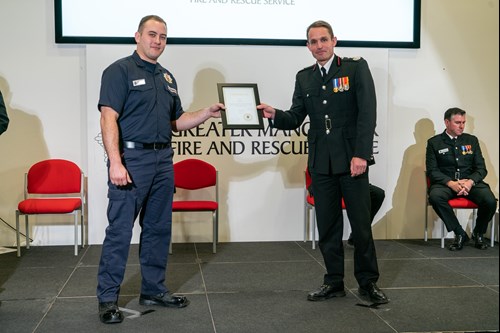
(257, 287)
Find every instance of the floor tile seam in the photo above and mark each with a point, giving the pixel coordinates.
(492, 286)
(479, 286)
(138, 265)
(122, 295)
(462, 258)
(207, 291)
(407, 247)
(455, 331)
(437, 259)
(209, 307)
(257, 262)
(285, 261)
(442, 264)
(38, 267)
(404, 259)
(49, 299)
(320, 262)
(51, 303)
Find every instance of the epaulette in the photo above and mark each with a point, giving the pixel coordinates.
(351, 58)
(309, 67)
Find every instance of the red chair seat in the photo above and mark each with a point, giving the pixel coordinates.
(462, 203)
(49, 206)
(178, 206)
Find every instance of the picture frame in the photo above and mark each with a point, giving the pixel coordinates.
(240, 100)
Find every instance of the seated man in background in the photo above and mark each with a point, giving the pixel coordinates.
(377, 196)
(456, 167)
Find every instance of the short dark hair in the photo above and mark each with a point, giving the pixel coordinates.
(320, 24)
(150, 17)
(453, 111)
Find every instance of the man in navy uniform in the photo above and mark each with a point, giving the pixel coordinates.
(140, 107)
(338, 95)
(455, 167)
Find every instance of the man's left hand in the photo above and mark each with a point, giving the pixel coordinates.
(358, 166)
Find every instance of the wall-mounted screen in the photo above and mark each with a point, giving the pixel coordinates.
(356, 23)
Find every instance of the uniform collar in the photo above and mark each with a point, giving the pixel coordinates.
(448, 138)
(141, 63)
(327, 65)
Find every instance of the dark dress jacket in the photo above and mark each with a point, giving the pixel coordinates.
(341, 110)
(446, 160)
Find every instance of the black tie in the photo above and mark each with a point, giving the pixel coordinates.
(323, 70)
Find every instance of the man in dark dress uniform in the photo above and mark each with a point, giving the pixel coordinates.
(341, 105)
(455, 167)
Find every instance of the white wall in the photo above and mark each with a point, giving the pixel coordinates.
(51, 103)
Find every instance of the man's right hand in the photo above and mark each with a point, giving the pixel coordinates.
(458, 187)
(118, 174)
(267, 111)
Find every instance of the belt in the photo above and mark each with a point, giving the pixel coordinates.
(138, 145)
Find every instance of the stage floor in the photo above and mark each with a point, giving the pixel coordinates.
(257, 287)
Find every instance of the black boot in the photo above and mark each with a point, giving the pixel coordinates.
(479, 242)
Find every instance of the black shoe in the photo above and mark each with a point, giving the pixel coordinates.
(479, 242)
(350, 241)
(374, 293)
(164, 299)
(326, 291)
(459, 242)
(109, 313)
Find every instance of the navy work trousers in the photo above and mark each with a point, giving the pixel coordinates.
(149, 197)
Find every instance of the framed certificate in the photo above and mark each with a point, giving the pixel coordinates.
(240, 100)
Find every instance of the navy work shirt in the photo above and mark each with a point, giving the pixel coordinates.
(145, 96)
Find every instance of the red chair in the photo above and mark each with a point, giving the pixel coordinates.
(308, 208)
(455, 203)
(52, 186)
(193, 174)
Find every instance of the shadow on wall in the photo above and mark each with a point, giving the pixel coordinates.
(21, 146)
(483, 72)
(408, 200)
(492, 178)
(250, 160)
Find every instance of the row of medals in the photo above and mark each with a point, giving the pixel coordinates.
(339, 85)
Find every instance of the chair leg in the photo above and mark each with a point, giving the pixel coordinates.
(170, 246)
(443, 235)
(492, 237)
(426, 223)
(474, 216)
(27, 231)
(214, 223)
(82, 228)
(313, 226)
(306, 221)
(76, 232)
(18, 237)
